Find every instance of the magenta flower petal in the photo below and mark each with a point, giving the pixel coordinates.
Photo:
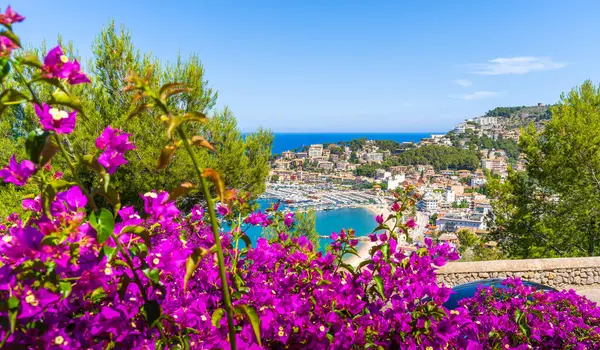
(9, 17)
(17, 173)
(53, 119)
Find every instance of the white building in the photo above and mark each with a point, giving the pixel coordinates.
(374, 157)
(486, 120)
(449, 195)
(430, 203)
(453, 222)
(315, 151)
(395, 181)
(477, 181)
(459, 128)
(327, 165)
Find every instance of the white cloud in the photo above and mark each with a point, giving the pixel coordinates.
(477, 95)
(463, 82)
(515, 65)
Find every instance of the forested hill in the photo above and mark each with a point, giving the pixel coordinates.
(521, 115)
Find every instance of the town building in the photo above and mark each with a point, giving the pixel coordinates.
(287, 155)
(430, 203)
(373, 157)
(456, 221)
(394, 181)
(315, 151)
(324, 164)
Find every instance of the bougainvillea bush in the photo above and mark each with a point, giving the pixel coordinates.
(77, 274)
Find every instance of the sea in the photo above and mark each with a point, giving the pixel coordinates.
(288, 141)
(359, 219)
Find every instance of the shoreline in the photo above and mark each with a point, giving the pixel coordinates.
(364, 246)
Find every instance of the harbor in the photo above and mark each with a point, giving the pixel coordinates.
(319, 198)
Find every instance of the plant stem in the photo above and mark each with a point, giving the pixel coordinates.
(74, 171)
(215, 229)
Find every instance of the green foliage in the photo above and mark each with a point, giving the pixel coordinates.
(538, 113)
(440, 157)
(388, 145)
(473, 248)
(368, 170)
(242, 159)
(305, 224)
(551, 209)
(463, 204)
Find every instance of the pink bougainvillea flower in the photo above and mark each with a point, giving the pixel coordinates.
(57, 65)
(53, 119)
(379, 219)
(9, 17)
(223, 210)
(111, 160)
(289, 219)
(115, 143)
(410, 223)
(6, 46)
(17, 173)
(116, 139)
(257, 218)
(77, 76)
(396, 207)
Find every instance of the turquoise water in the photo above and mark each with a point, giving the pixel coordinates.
(361, 220)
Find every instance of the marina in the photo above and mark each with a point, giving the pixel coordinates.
(319, 198)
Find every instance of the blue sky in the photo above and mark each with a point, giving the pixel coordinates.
(301, 66)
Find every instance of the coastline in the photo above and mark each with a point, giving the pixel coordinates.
(364, 246)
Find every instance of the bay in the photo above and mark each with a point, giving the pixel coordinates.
(360, 220)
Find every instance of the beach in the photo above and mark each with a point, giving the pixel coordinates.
(365, 245)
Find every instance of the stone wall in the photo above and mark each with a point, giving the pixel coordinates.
(563, 273)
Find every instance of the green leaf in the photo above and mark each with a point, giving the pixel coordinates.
(4, 69)
(194, 117)
(216, 317)
(31, 60)
(252, 317)
(48, 151)
(51, 81)
(13, 303)
(138, 231)
(13, 312)
(50, 192)
(35, 143)
(153, 275)
(12, 36)
(104, 224)
(192, 263)
(62, 98)
(379, 285)
(50, 240)
(364, 263)
(11, 97)
(92, 163)
(97, 295)
(109, 252)
(170, 89)
(152, 312)
(65, 289)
